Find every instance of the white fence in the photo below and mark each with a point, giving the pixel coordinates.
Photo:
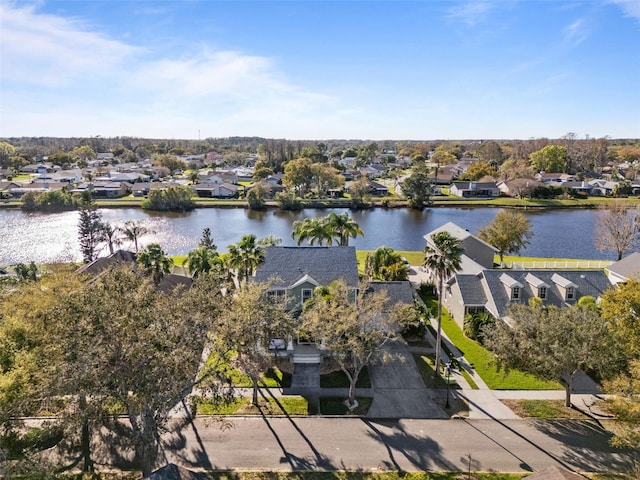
(560, 265)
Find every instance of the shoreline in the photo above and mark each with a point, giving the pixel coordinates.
(389, 204)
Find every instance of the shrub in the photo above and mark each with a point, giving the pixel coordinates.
(288, 201)
(475, 324)
(172, 198)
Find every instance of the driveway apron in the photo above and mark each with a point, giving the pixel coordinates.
(398, 389)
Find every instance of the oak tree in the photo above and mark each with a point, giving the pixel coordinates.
(509, 233)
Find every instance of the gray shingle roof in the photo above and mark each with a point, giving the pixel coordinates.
(628, 267)
(397, 292)
(323, 264)
(471, 290)
(588, 282)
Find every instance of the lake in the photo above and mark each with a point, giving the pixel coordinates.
(52, 237)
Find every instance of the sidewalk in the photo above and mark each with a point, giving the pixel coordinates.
(485, 403)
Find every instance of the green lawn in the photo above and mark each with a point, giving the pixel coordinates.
(290, 405)
(543, 409)
(481, 360)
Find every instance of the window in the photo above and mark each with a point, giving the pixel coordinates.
(307, 293)
(515, 293)
(542, 292)
(277, 294)
(571, 293)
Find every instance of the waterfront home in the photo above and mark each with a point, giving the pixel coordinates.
(518, 187)
(625, 269)
(474, 189)
(479, 287)
(216, 190)
(495, 290)
(295, 272)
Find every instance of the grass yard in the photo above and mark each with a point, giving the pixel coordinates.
(291, 405)
(543, 409)
(481, 360)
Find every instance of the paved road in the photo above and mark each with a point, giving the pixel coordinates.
(312, 443)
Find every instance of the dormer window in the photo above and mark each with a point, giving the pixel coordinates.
(538, 286)
(565, 285)
(513, 286)
(571, 293)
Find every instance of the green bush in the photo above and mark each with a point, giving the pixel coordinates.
(170, 199)
(475, 323)
(288, 201)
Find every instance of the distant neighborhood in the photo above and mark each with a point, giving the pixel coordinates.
(312, 170)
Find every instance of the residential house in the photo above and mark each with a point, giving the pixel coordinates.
(374, 170)
(477, 255)
(216, 190)
(461, 166)
(129, 177)
(295, 272)
(478, 287)
(554, 177)
(495, 290)
(603, 187)
(624, 270)
(518, 187)
(101, 189)
(105, 157)
(39, 187)
(6, 188)
(123, 258)
(474, 189)
(375, 188)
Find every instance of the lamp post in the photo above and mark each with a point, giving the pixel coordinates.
(448, 365)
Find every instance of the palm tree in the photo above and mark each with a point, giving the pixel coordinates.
(342, 227)
(202, 260)
(244, 257)
(155, 262)
(133, 230)
(312, 230)
(111, 236)
(443, 259)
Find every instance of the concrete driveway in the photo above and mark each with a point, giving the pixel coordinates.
(398, 389)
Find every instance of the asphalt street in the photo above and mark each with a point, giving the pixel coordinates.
(312, 443)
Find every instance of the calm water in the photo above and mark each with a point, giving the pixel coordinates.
(53, 237)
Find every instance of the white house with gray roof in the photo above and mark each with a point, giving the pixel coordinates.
(626, 269)
(495, 290)
(478, 287)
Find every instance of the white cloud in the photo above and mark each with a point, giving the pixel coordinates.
(51, 50)
(576, 32)
(471, 12)
(631, 8)
(113, 88)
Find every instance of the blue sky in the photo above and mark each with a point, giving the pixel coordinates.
(320, 70)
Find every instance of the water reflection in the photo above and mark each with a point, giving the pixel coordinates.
(53, 237)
